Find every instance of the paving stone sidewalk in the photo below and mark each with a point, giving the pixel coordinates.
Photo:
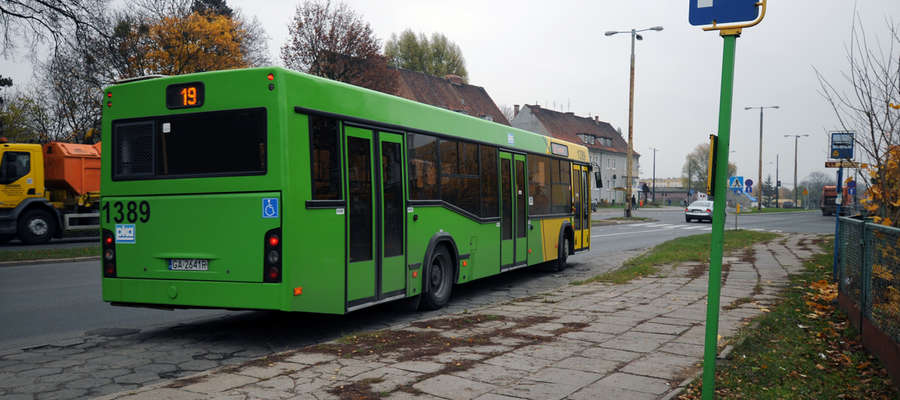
(640, 340)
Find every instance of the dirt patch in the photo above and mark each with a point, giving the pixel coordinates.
(359, 390)
(529, 298)
(407, 345)
(697, 271)
(466, 322)
(737, 303)
(748, 256)
(180, 383)
(571, 327)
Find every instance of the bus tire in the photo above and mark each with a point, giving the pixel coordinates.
(36, 226)
(439, 280)
(563, 257)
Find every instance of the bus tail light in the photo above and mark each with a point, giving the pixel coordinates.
(272, 256)
(109, 254)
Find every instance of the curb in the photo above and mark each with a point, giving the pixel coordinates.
(46, 261)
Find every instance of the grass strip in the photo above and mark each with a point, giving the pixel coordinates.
(804, 348)
(44, 254)
(683, 249)
(775, 210)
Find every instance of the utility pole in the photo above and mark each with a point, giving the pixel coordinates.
(777, 180)
(759, 182)
(654, 172)
(796, 137)
(630, 161)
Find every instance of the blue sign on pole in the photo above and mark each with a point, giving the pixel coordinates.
(749, 184)
(736, 184)
(842, 145)
(705, 12)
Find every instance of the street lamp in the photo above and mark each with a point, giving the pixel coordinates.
(796, 137)
(654, 172)
(759, 182)
(630, 154)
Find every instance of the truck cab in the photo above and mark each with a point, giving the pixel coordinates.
(21, 193)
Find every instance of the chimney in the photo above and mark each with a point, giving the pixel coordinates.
(596, 118)
(515, 110)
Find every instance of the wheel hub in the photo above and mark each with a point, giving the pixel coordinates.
(38, 227)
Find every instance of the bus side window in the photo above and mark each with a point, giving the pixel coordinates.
(325, 166)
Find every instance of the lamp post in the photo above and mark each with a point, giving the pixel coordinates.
(654, 172)
(796, 137)
(759, 182)
(630, 161)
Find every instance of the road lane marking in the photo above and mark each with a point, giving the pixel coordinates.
(624, 233)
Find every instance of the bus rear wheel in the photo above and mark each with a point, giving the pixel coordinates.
(438, 280)
(562, 259)
(36, 226)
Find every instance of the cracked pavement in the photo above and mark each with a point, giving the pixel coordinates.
(640, 340)
(112, 360)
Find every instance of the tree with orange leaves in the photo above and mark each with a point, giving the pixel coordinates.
(194, 43)
(883, 199)
(874, 85)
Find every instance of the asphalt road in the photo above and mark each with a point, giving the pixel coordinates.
(41, 303)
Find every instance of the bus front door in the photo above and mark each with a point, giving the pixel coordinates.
(513, 223)
(376, 217)
(581, 204)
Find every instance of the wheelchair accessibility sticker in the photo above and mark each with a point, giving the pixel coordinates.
(270, 207)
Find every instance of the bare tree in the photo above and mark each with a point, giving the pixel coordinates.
(873, 78)
(334, 42)
(507, 111)
(48, 20)
(696, 166)
(814, 184)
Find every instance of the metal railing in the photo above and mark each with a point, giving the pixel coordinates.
(869, 271)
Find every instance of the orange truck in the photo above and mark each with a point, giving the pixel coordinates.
(47, 190)
(829, 195)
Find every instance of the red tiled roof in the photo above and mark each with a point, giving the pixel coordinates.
(449, 92)
(567, 126)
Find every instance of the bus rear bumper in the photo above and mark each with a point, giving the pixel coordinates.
(192, 294)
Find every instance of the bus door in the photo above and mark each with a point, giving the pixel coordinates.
(507, 205)
(376, 216)
(521, 194)
(581, 221)
(513, 223)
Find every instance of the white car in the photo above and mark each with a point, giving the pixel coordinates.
(700, 210)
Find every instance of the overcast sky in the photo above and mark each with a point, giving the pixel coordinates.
(555, 53)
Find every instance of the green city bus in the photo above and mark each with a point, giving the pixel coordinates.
(267, 188)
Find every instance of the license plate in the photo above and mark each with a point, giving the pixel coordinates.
(188, 264)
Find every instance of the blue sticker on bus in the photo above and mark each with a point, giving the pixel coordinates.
(270, 207)
(125, 233)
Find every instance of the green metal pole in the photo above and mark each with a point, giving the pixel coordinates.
(718, 231)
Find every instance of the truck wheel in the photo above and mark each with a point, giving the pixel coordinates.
(438, 280)
(36, 226)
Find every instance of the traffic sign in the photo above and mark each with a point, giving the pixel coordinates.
(708, 12)
(736, 184)
(841, 145)
(845, 164)
(749, 183)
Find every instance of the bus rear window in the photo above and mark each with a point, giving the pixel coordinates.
(220, 143)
